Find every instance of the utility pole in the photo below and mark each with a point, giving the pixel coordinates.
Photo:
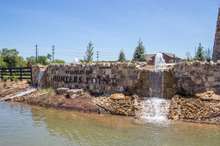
(36, 51)
(97, 56)
(53, 53)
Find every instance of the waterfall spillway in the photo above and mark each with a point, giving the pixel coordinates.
(159, 62)
(39, 78)
(154, 109)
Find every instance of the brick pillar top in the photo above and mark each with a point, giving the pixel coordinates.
(216, 49)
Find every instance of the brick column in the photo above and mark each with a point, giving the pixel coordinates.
(216, 49)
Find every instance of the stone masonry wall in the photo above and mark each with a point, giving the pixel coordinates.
(107, 78)
(197, 77)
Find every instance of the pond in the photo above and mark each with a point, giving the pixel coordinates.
(23, 125)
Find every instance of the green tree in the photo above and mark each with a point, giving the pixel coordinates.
(2, 63)
(31, 60)
(20, 62)
(49, 56)
(59, 61)
(139, 52)
(208, 55)
(11, 58)
(122, 57)
(43, 60)
(89, 52)
(200, 54)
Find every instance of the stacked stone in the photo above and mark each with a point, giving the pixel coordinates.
(194, 109)
(118, 104)
(197, 77)
(216, 50)
(106, 78)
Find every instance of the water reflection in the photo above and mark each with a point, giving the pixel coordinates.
(24, 126)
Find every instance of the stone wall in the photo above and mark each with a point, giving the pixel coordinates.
(197, 77)
(108, 78)
(188, 78)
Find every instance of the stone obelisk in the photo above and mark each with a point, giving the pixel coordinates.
(216, 49)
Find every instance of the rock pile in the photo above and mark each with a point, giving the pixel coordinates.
(194, 109)
(118, 104)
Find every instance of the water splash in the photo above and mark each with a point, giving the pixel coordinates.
(76, 61)
(39, 78)
(159, 63)
(154, 110)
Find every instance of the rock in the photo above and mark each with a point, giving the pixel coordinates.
(118, 97)
(61, 91)
(73, 93)
(208, 95)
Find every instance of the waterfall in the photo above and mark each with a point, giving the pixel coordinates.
(39, 78)
(155, 108)
(159, 62)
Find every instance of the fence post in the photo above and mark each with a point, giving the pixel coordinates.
(20, 70)
(1, 77)
(31, 76)
(10, 71)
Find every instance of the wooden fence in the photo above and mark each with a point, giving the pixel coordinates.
(21, 73)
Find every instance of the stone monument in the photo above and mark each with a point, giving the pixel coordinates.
(216, 49)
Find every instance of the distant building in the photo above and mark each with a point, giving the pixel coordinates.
(168, 57)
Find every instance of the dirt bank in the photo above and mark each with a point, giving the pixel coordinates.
(48, 98)
(12, 87)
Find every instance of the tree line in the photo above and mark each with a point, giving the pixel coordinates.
(12, 58)
(201, 54)
(139, 53)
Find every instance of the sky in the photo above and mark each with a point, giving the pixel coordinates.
(174, 26)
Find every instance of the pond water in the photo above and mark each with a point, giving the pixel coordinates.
(23, 125)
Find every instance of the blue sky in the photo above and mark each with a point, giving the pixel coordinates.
(175, 26)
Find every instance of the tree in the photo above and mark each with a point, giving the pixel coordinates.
(59, 61)
(43, 60)
(11, 58)
(49, 56)
(208, 55)
(139, 52)
(2, 63)
(89, 52)
(200, 54)
(121, 57)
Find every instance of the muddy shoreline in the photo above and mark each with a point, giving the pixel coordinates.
(186, 109)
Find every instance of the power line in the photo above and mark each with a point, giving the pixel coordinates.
(36, 51)
(53, 53)
(97, 56)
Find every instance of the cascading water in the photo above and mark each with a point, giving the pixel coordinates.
(39, 78)
(155, 108)
(159, 62)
